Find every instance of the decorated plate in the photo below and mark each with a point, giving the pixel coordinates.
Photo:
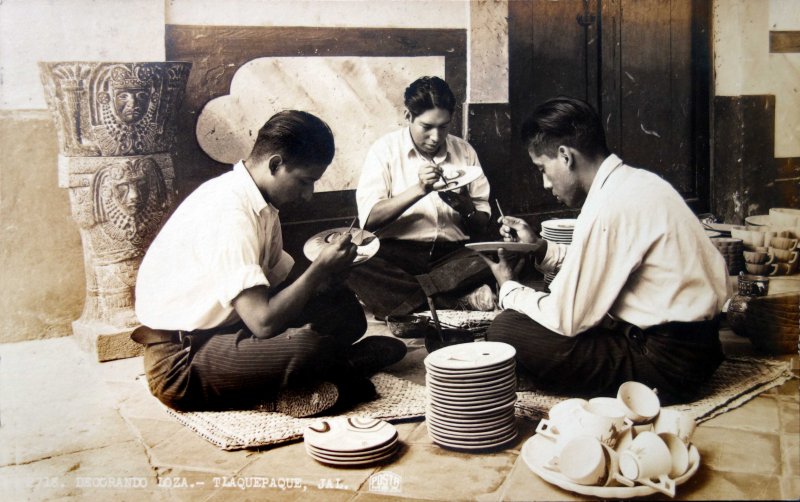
(367, 243)
(454, 177)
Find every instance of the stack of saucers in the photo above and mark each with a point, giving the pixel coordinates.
(471, 392)
(351, 441)
(560, 232)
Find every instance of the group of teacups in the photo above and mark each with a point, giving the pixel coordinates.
(777, 256)
(620, 441)
(770, 242)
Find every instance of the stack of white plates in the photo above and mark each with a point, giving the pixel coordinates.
(351, 441)
(558, 231)
(471, 392)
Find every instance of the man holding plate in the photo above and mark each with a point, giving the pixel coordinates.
(423, 192)
(222, 328)
(640, 287)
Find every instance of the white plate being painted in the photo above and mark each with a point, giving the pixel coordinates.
(538, 450)
(314, 245)
(455, 177)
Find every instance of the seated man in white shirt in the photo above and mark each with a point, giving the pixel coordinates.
(639, 289)
(222, 330)
(422, 230)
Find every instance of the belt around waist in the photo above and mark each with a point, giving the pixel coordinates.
(676, 329)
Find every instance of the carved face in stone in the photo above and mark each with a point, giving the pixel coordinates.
(130, 190)
(130, 103)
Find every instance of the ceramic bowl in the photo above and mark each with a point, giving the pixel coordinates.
(409, 326)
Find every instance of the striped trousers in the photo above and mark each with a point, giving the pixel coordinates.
(229, 368)
(674, 358)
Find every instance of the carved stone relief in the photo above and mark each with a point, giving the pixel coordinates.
(116, 125)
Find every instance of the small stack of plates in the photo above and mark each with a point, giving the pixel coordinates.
(471, 392)
(351, 441)
(558, 231)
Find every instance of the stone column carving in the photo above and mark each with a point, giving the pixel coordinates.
(116, 127)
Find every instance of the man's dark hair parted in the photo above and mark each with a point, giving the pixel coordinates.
(298, 137)
(565, 121)
(427, 93)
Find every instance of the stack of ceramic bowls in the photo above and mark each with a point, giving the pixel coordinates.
(560, 232)
(731, 250)
(471, 392)
(351, 441)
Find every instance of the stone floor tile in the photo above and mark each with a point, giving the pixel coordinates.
(117, 472)
(152, 432)
(384, 497)
(790, 487)
(182, 485)
(120, 370)
(789, 390)
(432, 472)
(790, 416)
(406, 429)
(761, 415)
(420, 435)
(708, 484)
(186, 450)
(790, 448)
(52, 402)
(734, 450)
(133, 399)
(291, 462)
(524, 484)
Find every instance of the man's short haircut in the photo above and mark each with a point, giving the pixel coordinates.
(564, 121)
(300, 138)
(427, 93)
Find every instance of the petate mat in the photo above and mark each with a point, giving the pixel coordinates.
(736, 381)
(233, 430)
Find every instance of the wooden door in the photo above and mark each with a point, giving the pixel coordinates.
(644, 64)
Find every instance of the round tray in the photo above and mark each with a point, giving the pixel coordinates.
(538, 450)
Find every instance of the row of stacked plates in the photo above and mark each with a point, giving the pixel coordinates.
(558, 231)
(351, 441)
(471, 392)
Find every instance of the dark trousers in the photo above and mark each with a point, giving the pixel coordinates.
(229, 368)
(674, 358)
(387, 285)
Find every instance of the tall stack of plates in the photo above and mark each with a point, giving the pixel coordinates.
(351, 441)
(558, 231)
(471, 392)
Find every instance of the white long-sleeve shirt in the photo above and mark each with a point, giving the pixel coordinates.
(638, 253)
(392, 166)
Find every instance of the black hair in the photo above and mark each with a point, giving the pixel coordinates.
(427, 93)
(565, 121)
(298, 137)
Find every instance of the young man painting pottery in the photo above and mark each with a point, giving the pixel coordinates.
(639, 289)
(222, 329)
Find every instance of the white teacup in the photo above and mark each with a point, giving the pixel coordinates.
(563, 411)
(589, 419)
(676, 422)
(642, 401)
(679, 453)
(586, 461)
(646, 459)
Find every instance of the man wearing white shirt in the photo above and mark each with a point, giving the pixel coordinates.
(422, 230)
(640, 287)
(222, 330)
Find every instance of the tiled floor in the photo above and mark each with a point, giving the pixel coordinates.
(73, 429)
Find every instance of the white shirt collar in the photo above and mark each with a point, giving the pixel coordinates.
(254, 197)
